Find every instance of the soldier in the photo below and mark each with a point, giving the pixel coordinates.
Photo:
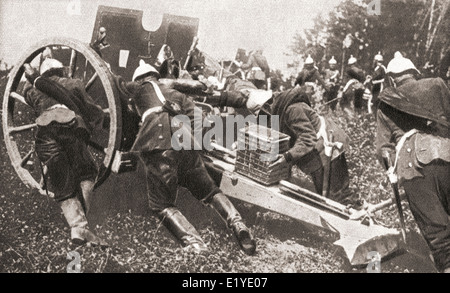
(310, 74)
(413, 127)
(354, 88)
(332, 79)
(66, 117)
(309, 134)
(167, 168)
(444, 67)
(258, 69)
(196, 64)
(377, 80)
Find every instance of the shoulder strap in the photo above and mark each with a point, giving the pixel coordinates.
(158, 92)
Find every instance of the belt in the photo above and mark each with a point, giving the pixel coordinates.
(157, 109)
(349, 83)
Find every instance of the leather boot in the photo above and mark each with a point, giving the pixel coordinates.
(76, 218)
(182, 229)
(87, 191)
(233, 220)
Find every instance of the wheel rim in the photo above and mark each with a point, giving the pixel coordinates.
(13, 124)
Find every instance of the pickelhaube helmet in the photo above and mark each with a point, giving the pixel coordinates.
(144, 69)
(309, 60)
(379, 57)
(352, 60)
(332, 61)
(400, 64)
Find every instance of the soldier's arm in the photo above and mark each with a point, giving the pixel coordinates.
(235, 99)
(186, 86)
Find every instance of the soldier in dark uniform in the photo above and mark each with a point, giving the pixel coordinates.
(332, 79)
(168, 165)
(258, 69)
(310, 74)
(354, 88)
(377, 81)
(309, 134)
(196, 64)
(414, 129)
(444, 67)
(66, 117)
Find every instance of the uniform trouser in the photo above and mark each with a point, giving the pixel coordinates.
(67, 158)
(429, 200)
(359, 101)
(375, 103)
(332, 95)
(339, 181)
(166, 170)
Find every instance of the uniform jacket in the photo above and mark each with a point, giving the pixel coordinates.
(378, 79)
(355, 77)
(354, 72)
(309, 75)
(423, 105)
(302, 123)
(155, 133)
(91, 115)
(332, 76)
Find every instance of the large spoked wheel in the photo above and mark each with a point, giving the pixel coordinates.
(18, 120)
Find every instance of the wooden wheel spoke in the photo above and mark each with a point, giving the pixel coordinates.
(91, 81)
(26, 158)
(18, 97)
(42, 181)
(73, 63)
(13, 130)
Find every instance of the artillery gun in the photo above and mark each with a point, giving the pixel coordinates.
(127, 43)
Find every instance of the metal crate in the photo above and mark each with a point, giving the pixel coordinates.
(257, 148)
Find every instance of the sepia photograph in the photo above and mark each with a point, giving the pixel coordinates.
(256, 137)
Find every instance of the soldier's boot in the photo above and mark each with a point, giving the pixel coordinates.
(182, 229)
(80, 234)
(87, 187)
(233, 220)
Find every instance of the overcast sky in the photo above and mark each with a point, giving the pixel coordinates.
(225, 25)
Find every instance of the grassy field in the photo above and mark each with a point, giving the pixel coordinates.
(35, 238)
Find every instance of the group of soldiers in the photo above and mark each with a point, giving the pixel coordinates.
(356, 91)
(413, 117)
(413, 132)
(67, 116)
